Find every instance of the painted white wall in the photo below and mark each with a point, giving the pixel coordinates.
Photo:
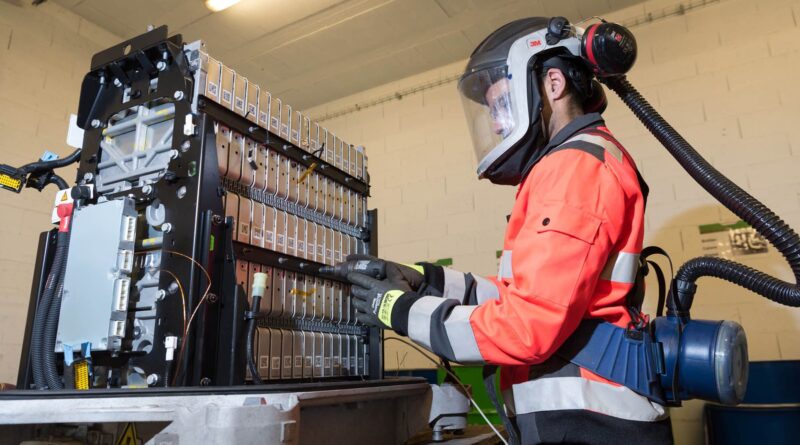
(44, 53)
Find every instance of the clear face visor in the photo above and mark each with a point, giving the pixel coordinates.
(489, 107)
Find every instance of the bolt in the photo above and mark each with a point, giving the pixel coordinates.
(185, 146)
(161, 294)
(166, 227)
(212, 298)
(178, 95)
(173, 287)
(216, 219)
(95, 123)
(137, 332)
(152, 380)
(88, 177)
(286, 147)
(205, 381)
(117, 82)
(173, 154)
(147, 189)
(161, 65)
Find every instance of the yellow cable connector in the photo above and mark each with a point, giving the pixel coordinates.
(304, 294)
(307, 172)
(10, 183)
(81, 370)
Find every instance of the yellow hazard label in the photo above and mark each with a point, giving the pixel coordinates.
(63, 197)
(129, 436)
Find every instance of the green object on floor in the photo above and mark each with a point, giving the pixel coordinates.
(472, 377)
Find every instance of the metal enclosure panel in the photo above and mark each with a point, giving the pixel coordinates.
(293, 177)
(289, 294)
(240, 95)
(346, 305)
(337, 302)
(337, 244)
(319, 345)
(313, 191)
(260, 181)
(302, 186)
(301, 237)
(257, 225)
(269, 228)
(94, 303)
(357, 203)
(232, 209)
(353, 161)
(362, 357)
(330, 246)
(330, 192)
(276, 106)
(228, 78)
(253, 94)
(330, 144)
(283, 177)
(245, 216)
(276, 342)
(264, 104)
(345, 339)
(308, 354)
(249, 161)
(297, 349)
(262, 352)
(291, 234)
(212, 78)
(287, 341)
(320, 240)
(337, 202)
(272, 172)
(267, 301)
(353, 355)
(328, 371)
(298, 293)
(280, 231)
(286, 121)
(360, 162)
(235, 157)
(278, 278)
(311, 240)
(309, 297)
(305, 134)
(336, 356)
(242, 271)
(223, 144)
(297, 124)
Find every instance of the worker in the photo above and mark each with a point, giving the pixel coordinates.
(571, 249)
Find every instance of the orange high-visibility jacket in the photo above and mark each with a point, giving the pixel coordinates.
(571, 252)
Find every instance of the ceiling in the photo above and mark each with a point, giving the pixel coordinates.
(309, 52)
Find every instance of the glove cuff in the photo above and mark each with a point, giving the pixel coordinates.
(400, 311)
(434, 276)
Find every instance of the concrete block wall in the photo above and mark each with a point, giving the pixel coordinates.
(44, 53)
(723, 74)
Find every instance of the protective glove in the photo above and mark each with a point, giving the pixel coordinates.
(376, 300)
(412, 275)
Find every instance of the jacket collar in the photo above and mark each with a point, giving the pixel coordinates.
(577, 124)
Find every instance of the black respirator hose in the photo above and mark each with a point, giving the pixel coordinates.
(746, 207)
(38, 352)
(250, 341)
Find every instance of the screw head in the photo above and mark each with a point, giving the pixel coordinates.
(161, 65)
(212, 298)
(161, 294)
(147, 189)
(152, 380)
(166, 227)
(88, 177)
(95, 123)
(205, 381)
(178, 95)
(117, 82)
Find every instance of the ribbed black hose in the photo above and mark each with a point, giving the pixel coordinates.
(746, 207)
(39, 166)
(49, 342)
(43, 307)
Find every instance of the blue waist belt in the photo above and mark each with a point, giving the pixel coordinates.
(628, 357)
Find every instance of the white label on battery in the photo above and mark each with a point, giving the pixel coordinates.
(269, 236)
(318, 361)
(263, 117)
(240, 103)
(330, 253)
(320, 250)
(244, 229)
(345, 363)
(287, 361)
(311, 248)
(280, 240)
(263, 362)
(298, 361)
(308, 361)
(284, 129)
(257, 233)
(276, 363)
(301, 246)
(213, 89)
(327, 362)
(251, 109)
(274, 121)
(226, 95)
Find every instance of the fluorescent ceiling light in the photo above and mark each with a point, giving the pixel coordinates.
(219, 5)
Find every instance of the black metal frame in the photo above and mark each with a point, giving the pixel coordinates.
(214, 351)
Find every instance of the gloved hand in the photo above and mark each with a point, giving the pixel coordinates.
(412, 275)
(375, 299)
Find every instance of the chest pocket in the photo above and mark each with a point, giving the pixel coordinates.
(571, 221)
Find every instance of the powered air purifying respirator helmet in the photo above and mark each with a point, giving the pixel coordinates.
(500, 86)
(672, 358)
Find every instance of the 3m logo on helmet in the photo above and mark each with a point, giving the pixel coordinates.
(534, 43)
